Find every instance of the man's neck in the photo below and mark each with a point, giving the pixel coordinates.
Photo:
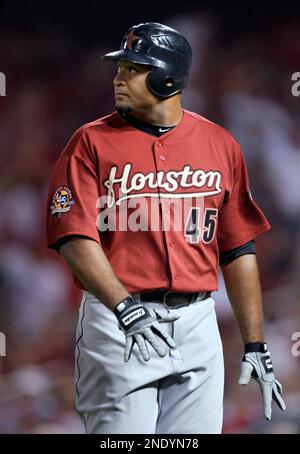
(166, 113)
(161, 120)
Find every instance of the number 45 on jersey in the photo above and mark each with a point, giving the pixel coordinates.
(201, 228)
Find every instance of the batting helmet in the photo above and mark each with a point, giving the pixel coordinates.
(164, 49)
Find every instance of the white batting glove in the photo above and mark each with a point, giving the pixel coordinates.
(140, 324)
(257, 364)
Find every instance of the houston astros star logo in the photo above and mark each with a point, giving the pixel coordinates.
(130, 38)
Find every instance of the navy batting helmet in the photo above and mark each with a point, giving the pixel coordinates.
(164, 49)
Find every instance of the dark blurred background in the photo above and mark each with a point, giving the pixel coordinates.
(244, 58)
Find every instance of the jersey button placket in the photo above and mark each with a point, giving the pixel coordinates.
(161, 157)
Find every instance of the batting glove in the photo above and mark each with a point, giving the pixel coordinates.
(257, 364)
(140, 324)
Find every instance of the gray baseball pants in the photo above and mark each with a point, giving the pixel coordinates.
(181, 393)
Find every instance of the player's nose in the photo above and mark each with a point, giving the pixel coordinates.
(120, 78)
(117, 82)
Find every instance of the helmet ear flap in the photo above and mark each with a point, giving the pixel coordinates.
(162, 85)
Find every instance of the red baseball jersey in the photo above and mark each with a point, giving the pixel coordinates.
(162, 209)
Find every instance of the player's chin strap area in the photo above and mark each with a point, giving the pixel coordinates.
(171, 299)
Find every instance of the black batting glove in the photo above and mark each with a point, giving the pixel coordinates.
(140, 324)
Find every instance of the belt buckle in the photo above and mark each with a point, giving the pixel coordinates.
(164, 299)
(175, 306)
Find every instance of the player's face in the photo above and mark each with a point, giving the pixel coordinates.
(131, 92)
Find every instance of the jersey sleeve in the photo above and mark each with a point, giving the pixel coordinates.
(73, 193)
(240, 218)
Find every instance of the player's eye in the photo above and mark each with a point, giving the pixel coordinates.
(132, 70)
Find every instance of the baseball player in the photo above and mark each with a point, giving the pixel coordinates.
(144, 205)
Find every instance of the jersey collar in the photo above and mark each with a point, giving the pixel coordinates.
(177, 131)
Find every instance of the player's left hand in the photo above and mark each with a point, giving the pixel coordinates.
(257, 364)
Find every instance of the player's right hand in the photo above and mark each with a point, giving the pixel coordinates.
(139, 325)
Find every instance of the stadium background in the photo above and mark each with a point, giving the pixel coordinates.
(55, 82)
